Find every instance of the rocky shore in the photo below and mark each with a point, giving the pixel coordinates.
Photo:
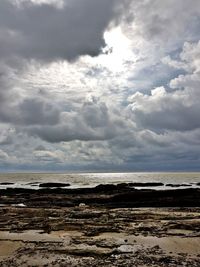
(113, 196)
(109, 225)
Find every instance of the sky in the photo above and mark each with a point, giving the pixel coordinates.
(99, 85)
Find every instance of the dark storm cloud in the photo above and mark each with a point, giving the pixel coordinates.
(92, 122)
(17, 110)
(45, 32)
(174, 115)
(7, 96)
(40, 148)
(36, 111)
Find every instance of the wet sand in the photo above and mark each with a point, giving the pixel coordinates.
(95, 234)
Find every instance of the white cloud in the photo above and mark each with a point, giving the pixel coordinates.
(176, 110)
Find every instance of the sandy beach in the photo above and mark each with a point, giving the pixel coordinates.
(91, 233)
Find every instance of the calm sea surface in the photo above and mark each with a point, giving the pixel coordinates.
(32, 180)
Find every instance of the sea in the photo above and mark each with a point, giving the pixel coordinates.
(170, 180)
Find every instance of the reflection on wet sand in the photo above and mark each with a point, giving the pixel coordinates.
(99, 236)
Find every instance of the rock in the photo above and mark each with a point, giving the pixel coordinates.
(82, 205)
(177, 185)
(145, 184)
(54, 185)
(112, 196)
(6, 183)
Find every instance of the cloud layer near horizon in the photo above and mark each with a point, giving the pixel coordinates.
(89, 84)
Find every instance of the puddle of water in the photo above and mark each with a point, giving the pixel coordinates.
(190, 245)
(172, 244)
(64, 234)
(39, 236)
(31, 235)
(7, 248)
(180, 231)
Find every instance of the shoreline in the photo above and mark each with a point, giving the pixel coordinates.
(109, 225)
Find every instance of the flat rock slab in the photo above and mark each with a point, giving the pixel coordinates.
(99, 236)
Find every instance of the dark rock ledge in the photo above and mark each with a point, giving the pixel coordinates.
(113, 196)
(54, 185)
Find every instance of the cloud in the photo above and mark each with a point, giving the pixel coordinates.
(189, 59)
(37, 111)
(31, 111)
(46, 156)
(56, 3)
(67, 103)
(158, 22)
(92, 122)
(176, 110)
(3, 155)
(161, 110)
(6, 135)
(45, 32)
(40, 148)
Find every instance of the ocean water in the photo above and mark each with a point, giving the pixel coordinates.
(80, 180)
